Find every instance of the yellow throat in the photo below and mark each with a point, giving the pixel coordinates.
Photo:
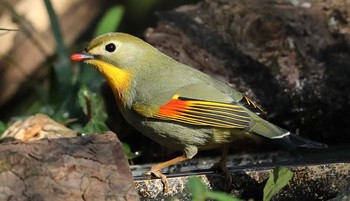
(119, 80)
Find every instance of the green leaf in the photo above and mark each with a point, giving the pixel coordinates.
(83, 92)
(93, 106)
(197, 188)
(94, 126)
(110, 21)
(3, 127)
(220, 196)
(200, 192)
(279, 177)
(129, 153)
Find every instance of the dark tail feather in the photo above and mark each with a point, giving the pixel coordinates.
(292, 141)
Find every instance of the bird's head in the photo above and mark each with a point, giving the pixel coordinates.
(121, 50)
(118, 57)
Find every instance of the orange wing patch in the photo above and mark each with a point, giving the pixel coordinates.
(173, 108)
(204, 113)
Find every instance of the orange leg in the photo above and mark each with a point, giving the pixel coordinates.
(155, 170)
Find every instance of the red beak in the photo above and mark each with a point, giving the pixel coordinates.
(81, 56)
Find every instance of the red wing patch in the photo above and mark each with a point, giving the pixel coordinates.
(173, 108)
(204, 113)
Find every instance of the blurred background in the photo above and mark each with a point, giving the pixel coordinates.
(36, 74)
(38, 37)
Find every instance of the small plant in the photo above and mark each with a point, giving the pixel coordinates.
(93, 107)
(200, 192)
(3, 127)
(278, 178)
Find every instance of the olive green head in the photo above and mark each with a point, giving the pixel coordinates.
(119, 49)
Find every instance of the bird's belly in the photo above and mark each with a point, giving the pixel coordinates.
(177, 135)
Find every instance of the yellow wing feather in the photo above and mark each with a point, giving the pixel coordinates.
(204, 113)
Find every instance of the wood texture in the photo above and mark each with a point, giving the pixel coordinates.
(84, 168)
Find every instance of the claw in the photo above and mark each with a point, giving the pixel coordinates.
(161, 176)
(155, 170)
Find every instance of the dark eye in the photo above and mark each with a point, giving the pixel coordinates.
(110, 47)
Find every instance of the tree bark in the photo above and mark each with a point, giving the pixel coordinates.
(93, 167)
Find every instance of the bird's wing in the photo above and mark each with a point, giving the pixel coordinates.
(204, 113)
(203, 106)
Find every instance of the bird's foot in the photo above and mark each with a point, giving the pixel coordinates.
(155, 170)
(161, 176)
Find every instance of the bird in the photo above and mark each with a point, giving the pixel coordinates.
(176, 105)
